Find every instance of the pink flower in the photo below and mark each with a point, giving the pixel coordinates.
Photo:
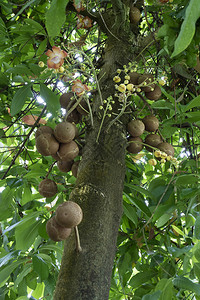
(83, 22)
(78, 5)
(79, 88)
(56, 57)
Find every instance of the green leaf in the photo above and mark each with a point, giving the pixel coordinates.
(187, 284)
(20, 98)
(41, 267)
(5, 272)
(42, 47)
(39, 291)
(54, 248)
(193, 103)
(141, 278)
(197, 228)
(26, 196)
(187, 28)
(154, 296)
(178, 230)
(5, 259)
(51, 99)
(186, 179)
(140, 190)
(139, 204)
(55, 17)
(26, 269)
(6, 200)
(26, 232)
(130, 212)
(36, 25)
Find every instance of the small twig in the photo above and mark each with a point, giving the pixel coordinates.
(49, 171)
(78, 245)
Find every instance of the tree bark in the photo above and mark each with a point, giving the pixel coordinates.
(86, 275)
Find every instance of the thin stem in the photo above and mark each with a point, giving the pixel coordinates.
(78, 245)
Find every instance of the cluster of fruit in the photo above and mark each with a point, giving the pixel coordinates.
(60, 144)
(68, 215)
(152, 141)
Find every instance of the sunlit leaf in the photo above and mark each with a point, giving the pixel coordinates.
(20, 98)
(187, 284)
(55, 17)
(187, 28)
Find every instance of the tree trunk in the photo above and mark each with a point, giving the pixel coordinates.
(86, 275)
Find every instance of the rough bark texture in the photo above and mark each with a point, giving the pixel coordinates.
(86, 275)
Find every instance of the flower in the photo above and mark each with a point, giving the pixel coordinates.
(79, 88)
(78, 6)
(56, 57)
(152, 162)
(116, 79)
(84, 22)
(41, 64)
(122, 88)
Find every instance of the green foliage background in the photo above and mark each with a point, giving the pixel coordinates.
(158, 250)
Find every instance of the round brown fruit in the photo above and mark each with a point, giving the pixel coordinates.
(155, 94)
(64, 166)
(66, 100)
(42, 130)
(47, 188)
(152, 140)
(64, 132)
(46, 144)
(167, 148)
(55, 231)
(145, 80)
(69, 214)
(136, 128)
(134, 77)
(82, 108)
(151, 123)
(135, 145)
(74, 168)
(68, 151)
(74, 116)
(134, 15)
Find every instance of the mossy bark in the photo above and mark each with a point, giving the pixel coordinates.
(86, 275)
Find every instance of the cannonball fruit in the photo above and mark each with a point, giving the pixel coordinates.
(145, 80)
(151, 123)
(47, 188)
(74, 116)
(136, 128)
(55, 231)
(135, 145)
(66, 100)
(155, 94)
(74, 168)
(42, 130)
(166, 147)
(134, 15)
(68, 151)
(64, 166)
(46, 144)
(64, 132)
(68, 214)
(134, 77)
(152, 140)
